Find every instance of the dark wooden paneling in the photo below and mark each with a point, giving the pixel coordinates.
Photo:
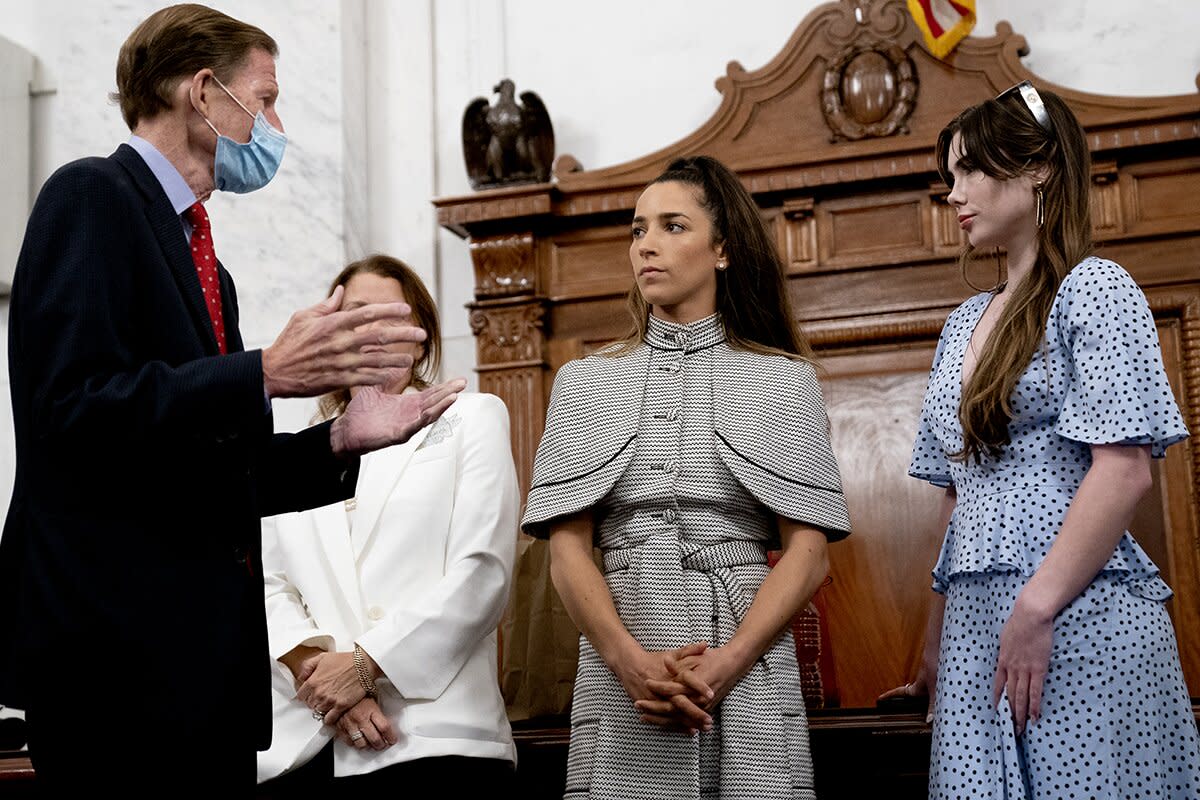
(874, 230)
(588, 264)
(874, 400)
(1160, 196)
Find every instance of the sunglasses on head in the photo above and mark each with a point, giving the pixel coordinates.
(1033, 101)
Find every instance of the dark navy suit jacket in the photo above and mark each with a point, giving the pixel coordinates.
(130, 559)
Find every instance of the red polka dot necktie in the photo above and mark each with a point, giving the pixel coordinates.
(205, 258)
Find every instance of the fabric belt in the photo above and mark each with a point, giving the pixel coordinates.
(732, 553)
(655, 609)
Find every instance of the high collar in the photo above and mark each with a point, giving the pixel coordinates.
(688, 337)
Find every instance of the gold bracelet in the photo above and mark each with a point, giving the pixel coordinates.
(364, 678)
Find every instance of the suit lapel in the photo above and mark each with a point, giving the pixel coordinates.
(383, 470)
(334, 534)
(229, 307)
(169, 233)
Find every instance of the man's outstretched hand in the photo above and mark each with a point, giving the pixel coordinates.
(375, 419)
(323, 349)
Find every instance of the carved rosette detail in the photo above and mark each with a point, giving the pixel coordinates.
(508, 334)
(504, 265)
(869, 91)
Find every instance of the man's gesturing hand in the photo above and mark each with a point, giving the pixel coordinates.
(375, 419)
(323, 348)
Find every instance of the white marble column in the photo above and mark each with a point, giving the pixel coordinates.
(470, 57)
(397, 112)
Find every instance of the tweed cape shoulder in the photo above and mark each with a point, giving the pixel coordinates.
(770, 429)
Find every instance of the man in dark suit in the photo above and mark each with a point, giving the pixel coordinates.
(130, 584)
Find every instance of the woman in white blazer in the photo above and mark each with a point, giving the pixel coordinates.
(382, 610)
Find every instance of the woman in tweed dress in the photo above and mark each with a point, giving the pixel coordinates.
(685, 452)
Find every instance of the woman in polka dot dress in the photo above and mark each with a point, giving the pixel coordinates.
(1050, 661)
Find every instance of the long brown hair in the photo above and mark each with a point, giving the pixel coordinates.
(752, 292)
(1002, 139)
(424, 315)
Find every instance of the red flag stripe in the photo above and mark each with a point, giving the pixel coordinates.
(930, 19)
(960, 8)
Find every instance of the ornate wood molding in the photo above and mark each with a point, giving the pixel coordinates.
(796, 233)
(766, 114)
(1190, 338)
(510, 344)
(508, 334)
(770, 126)
(458, 213)
(521, 388)
(875, 329)
(504, 265)
(1185, 305)
(915, 160)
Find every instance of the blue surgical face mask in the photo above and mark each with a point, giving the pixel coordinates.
(242, 168)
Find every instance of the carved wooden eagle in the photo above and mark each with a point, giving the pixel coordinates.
(507, 142)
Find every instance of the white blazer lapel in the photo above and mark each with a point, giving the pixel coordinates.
(383, 470)
(334, 533)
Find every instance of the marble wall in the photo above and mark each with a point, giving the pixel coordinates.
(373, 93)
(283, 243)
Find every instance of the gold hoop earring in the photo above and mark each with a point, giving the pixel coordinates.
(1041, 206)
(1000, 284)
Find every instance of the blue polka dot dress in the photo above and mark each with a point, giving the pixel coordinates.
(1116, 719)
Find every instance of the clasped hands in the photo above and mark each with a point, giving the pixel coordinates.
(328, 684)
(679, 689)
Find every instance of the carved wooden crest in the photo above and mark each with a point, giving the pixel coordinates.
(870, 86)
(869, 91)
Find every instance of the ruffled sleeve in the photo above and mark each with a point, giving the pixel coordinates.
(588, 440)
(1118, 391)
(929, 462)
